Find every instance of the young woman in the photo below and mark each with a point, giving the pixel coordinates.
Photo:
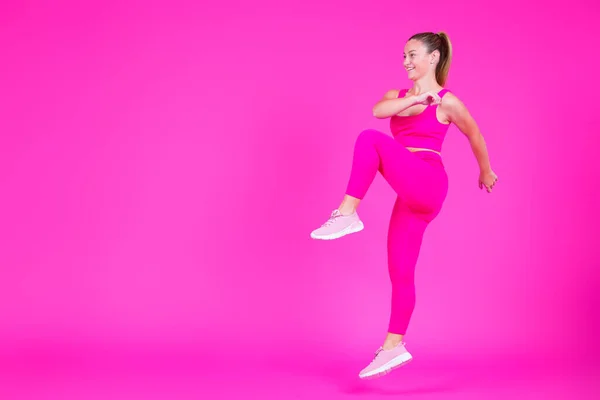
(411, 163)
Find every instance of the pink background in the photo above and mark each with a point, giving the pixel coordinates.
(162, 166)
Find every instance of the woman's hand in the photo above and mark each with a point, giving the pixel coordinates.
(427, 98)
(487, 180)
(391, 104)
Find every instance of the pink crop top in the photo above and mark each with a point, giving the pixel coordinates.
(422, 130)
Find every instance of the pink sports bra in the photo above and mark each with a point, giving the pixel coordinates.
(421, 130)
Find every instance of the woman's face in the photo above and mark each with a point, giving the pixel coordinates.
(416, 60)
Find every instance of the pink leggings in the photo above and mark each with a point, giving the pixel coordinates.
(420, 181)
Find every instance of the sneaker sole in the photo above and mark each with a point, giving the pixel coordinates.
(391, 365)
(353, 228)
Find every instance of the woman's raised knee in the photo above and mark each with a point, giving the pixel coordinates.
(369, 135)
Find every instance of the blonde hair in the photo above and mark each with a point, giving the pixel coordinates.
(440, 42)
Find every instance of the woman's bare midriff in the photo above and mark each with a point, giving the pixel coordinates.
(413, 149)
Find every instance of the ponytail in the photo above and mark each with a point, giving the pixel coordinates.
(443, 67)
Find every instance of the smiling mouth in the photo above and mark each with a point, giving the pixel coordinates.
(409, 69)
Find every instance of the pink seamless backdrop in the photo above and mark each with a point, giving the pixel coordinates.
(162, 166)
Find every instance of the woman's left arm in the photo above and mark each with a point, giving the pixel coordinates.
(459, 115)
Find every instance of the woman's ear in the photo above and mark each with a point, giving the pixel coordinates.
(435, 57)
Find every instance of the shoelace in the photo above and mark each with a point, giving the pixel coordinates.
(334, 215)
(379, 350)
(376, 354)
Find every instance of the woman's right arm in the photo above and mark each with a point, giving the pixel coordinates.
(391, 105)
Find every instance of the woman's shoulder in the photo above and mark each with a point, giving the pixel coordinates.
(393, 94)
(452, 105)
(396, 93)
(450, 97)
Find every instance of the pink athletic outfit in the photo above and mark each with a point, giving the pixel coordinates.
(421, 183)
